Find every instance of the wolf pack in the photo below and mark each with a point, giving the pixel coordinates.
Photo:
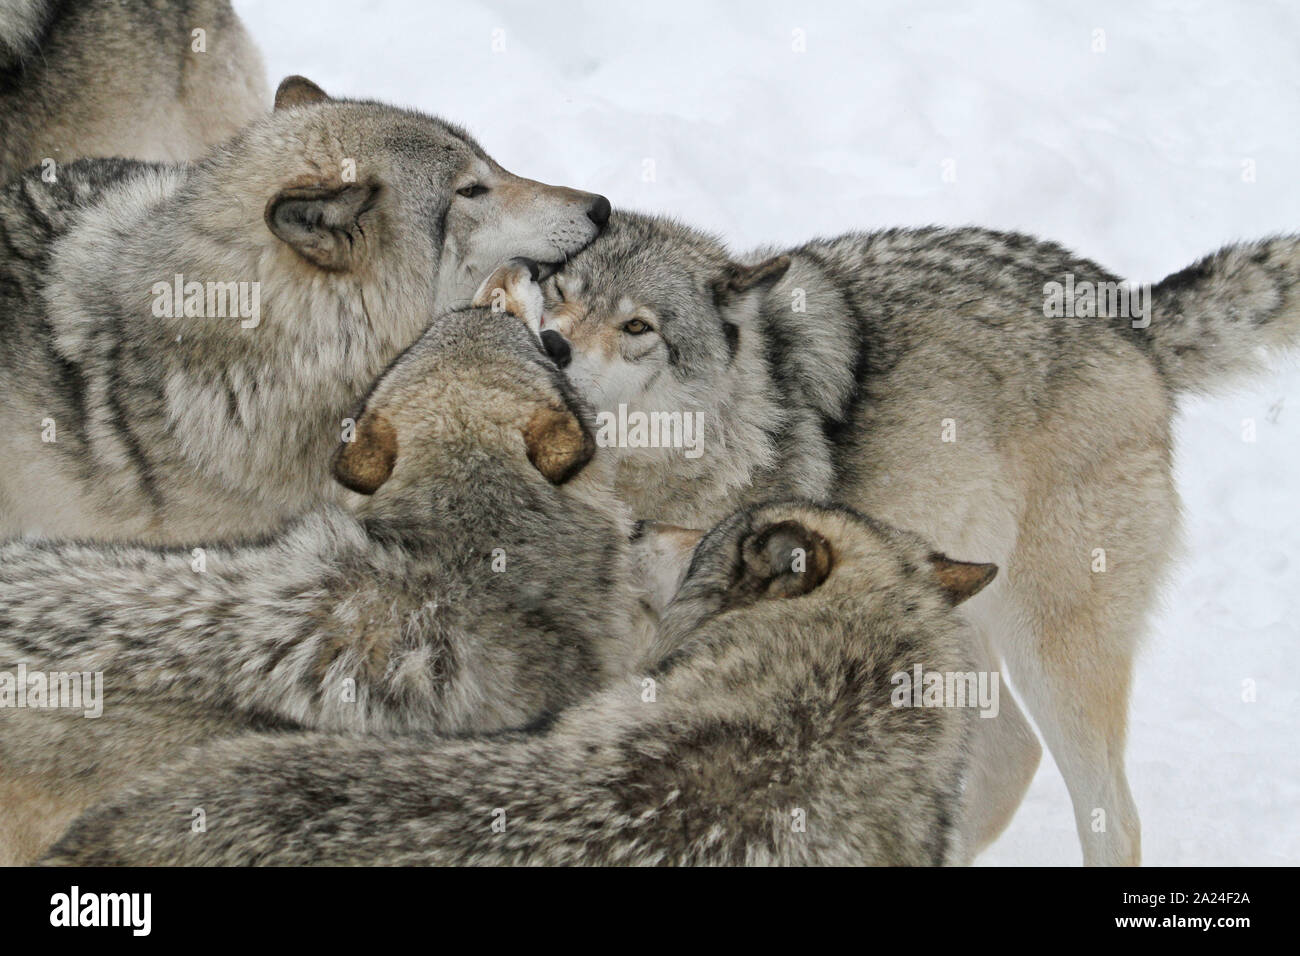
(300, 460)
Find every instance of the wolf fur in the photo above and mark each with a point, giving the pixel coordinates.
(912, 374)
(482, 585)
(762, 732)
(130, 78)
(357, 222)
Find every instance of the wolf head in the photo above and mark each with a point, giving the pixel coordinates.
(390, 196)
(474, 400)
(473, 445)
(778, 669)
(752, 565)
(651, 310)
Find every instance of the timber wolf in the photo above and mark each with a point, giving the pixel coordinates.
(135, 78)
(180, 345)
(761, 731)
(933, 378)
(482, 584)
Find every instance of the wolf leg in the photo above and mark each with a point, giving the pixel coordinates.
(1004, 758)
(1082, 578)
(1080, 703)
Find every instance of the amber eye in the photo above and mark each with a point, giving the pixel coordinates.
(636, 327)
(469, 192)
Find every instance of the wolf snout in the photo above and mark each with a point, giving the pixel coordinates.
(598, 212)
(557, 347)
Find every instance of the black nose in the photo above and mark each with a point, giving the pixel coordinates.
(557, 347)
(599, 212)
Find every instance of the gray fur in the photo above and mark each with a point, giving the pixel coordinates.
(767, 712)
(469, 594)
(1218, 319)
(22, 22)
(914, 374)
(123, 79)
(188, 430)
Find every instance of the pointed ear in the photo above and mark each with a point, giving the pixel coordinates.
(298, 91)
(512, 288)
(559, 443)
(321, 222)
(960, 580)
(737, 278)
(365, 463)
(661, 554)
(784, 560)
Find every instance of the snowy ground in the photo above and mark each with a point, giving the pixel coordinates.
(1177, 136)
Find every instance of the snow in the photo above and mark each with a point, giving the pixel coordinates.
(1177, 137)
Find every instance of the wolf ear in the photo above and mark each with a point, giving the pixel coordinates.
(661, 554)
(784, 560)
(559, 443)
(737, 278)
(960, 580)
(365, 463)
(298, 91)
(320, 222)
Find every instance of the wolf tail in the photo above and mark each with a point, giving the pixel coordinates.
(1216, 320)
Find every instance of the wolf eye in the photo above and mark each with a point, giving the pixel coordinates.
(469, 192)
(636, 327)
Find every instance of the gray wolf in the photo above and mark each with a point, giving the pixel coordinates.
(145, 79)
(930, 377)
(180, 345)
(482, 584)
(761, 732)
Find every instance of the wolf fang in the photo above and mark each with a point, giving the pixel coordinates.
(214, 300)
(72, 910)
(649, 429)
(1106, 300)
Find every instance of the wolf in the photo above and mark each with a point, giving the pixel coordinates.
(180, 345)
(140, 79)
(930, 377)
(482, 583)
(761, 731)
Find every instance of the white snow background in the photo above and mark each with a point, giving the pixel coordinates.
(1138, 155)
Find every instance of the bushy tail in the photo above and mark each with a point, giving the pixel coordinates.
(1217, 320)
